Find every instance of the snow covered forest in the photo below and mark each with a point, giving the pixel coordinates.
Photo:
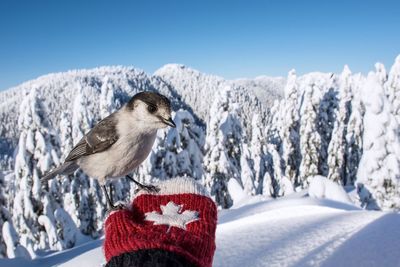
(265, 136)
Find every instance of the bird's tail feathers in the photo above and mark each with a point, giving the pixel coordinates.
(65, 169)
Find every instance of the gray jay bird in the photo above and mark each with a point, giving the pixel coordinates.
(120, 142)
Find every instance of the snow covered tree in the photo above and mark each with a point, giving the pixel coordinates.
(247, 174)
(355, 129)
(108, 102)
(4, 213)
(194, 87)
(290, 130)
(178, 151)
(393, 88)
(81, 118)
(12, 241)
(310, 140)
(274, 163)
(268, 181)
(36, 154)
(277, 184)
(68, 216)
(257, 152)
(274, 123)
(381, 73)
(378, 177)
(337, 158)
(325, 121)
(65, 134)
(223, 147)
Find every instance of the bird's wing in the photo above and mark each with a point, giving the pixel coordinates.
(98, 139)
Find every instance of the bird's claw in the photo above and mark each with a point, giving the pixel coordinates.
(115, 207)
(148, 188)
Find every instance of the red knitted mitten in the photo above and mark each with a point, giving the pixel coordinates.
(181, 218)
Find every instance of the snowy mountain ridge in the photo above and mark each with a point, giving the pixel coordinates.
(267, 89)
(267, 137)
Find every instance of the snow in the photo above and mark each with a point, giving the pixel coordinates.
(307, 234)
(322, 187)
(235, 191)
(290, 231)
(14, 249)
(267, 89)
(378, 176)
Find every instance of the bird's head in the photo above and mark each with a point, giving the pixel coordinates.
(152, 109)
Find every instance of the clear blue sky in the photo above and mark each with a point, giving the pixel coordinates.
(229, 38)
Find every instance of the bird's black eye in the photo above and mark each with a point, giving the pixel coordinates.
(151, 108)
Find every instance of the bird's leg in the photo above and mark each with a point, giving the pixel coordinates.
(111, 193)
(148, 188)
(110, 201)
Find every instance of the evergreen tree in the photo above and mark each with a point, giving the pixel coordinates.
(108, 102)
(325, 120)
(247, 175)
(178, 151)
(81, 118)
(393, 88)
(68, 217)
(274, 124)
(310, 140)
(12, 242)
(290, 130)
(277, 184)
(36, 155)
(257, 152)
(65, 134)
(378, 177)
(337, 158)
(381, 73)
(274, 163)
(223, 147)
(4, 214)
(355, 129)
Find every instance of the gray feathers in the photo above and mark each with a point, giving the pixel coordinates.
(65, 169)
(98, 139)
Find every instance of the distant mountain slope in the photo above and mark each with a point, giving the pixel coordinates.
(198, 89)
(266, 89)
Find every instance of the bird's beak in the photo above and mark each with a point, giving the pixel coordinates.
(170, 122)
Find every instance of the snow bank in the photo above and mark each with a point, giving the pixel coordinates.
(289, 231)
(10, 237)
(322, 187)
(236, 191)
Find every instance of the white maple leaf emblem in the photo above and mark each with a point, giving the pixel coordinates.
(171, 215)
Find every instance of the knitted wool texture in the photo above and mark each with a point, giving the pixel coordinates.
(128, 230)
